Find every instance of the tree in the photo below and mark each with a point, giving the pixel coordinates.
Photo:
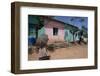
(83, 28)
(82, 20)
(73, 28)
(35, 22)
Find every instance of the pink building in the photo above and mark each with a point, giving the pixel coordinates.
(54, 29)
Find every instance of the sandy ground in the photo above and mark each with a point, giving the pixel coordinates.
(72, 52)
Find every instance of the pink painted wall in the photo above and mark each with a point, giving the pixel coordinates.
(49, 25)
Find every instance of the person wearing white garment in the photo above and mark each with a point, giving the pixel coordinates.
(42, 43)
(42, 53)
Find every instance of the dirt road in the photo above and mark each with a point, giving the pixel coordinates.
(73, 52)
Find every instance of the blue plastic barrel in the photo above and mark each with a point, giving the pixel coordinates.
(31, 40)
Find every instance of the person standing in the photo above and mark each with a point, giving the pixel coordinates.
(42, 43)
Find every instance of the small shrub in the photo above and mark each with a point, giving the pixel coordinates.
(50, 47)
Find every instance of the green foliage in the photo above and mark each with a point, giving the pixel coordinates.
(50, 47)
(35, 22)
(84, 30)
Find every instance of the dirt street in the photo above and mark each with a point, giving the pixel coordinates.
(72, 52)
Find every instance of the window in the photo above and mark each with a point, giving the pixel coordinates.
(55, 31)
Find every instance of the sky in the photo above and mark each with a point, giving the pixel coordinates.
(76, 21)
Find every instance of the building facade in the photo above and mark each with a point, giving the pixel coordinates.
(56, 30)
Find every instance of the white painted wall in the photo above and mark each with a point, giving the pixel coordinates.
(5, 33)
